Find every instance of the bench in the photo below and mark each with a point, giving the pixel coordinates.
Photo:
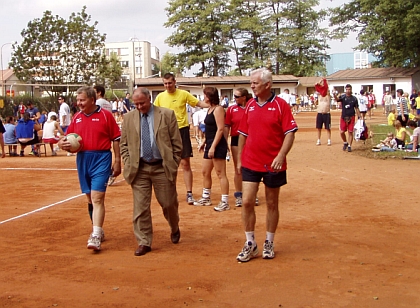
(42, 148)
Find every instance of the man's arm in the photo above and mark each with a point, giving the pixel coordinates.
(285, 148)
(203, 104)
(116, 166)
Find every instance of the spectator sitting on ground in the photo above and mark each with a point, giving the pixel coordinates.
(400, 135)
(415, 137)
(389, 144)
(9, 136)
(27, 133)
(391, 118)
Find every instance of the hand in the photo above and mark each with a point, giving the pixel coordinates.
(277, 163)
(116, 168)
(64, 144)
(211, 153)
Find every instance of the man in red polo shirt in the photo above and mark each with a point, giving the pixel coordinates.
(98, 130)
(267, 131)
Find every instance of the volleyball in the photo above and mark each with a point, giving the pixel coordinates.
(76, 142)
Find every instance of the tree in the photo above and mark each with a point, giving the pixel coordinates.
(201, 32)
(109, 70)
(387, 28)
(56, 51)
(297, 42)
(170, 64)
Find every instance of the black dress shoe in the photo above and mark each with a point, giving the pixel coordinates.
(176, 236)
(142, 250)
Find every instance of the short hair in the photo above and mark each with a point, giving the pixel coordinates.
(400, 91)
(169, 76)
(264, 73)
(53, 117)
(212, 94)
(30, 103)
(89, 91)
(348, 86)
(411, 123)
(100, 89)
(10, 119)
(362, 92)
(61, 97)
(142, 90)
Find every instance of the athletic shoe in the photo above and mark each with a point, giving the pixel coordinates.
(111, 180)
(71, 154)
(318, 142)
(238, 202)
(222, 206)
(203, 202)
(345, 145)
(268, 251)
(35, 153)
(190, 199)
(248, 252)
(257, 202)
(329, 142)
(54, 153)
(94, 242)
(349, 149)
(21, 154)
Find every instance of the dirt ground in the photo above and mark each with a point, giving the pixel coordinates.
(348, 236)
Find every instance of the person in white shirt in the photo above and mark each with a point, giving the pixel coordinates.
(65, 115)
(100, 100)
(363, 103)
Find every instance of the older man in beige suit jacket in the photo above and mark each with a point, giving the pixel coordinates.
(151, 149)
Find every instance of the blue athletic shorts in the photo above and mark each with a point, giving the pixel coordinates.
(93, 170)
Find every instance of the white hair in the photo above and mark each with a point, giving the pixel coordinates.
(265, 74)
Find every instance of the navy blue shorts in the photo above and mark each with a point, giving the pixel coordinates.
(93, 170)
(270, 179)
(234, 141)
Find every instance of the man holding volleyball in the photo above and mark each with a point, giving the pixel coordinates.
(97, 129)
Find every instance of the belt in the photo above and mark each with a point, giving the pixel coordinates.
(152, 163)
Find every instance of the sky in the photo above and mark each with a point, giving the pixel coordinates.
(120, 20)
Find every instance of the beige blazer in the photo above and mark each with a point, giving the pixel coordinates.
(168, 141)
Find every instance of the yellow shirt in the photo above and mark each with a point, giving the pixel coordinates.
(391, 119)
(399, 133)
(418, 102)
(177, 101)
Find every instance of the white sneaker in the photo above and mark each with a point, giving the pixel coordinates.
(190, 199)
(329, 142)
(203, 202)
(222, 206)
(318, 142)
(111, 180)
(71, 154)
(238, 202)
(248, 252)
(268, 251)
(94, 242)
(54, 153)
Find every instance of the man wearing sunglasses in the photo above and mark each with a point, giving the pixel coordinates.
(267, 131)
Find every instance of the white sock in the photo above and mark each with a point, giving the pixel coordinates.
(206, 193)
(97, 231)
(225, 198)
(270, 237)
(250, 236)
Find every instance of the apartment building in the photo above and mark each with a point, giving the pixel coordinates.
(136, 57)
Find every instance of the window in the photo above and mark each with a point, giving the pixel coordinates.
(367, 88)
(390, 88)
(123, 51)
(276, 91)
(124, 63)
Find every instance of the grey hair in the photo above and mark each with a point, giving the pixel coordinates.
(265, 75)
(89, 91)
(142, 90)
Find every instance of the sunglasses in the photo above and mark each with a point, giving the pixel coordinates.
(237, 96)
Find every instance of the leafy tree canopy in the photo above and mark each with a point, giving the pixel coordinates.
(59, 51)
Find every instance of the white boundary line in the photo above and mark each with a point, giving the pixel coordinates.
(40, 209)
(47, 206)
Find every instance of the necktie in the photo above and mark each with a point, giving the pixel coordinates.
(145, 139)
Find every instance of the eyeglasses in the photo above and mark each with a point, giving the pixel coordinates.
(237, 96)
(270, 171)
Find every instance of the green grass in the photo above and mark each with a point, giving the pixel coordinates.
(379, 133)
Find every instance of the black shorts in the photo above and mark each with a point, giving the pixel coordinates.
(234, 141)
(220, 151)
(323, 119)
(187, 150)
(270, 179)
(403, 123)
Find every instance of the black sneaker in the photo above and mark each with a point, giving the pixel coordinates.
(345, 145)
(21, 154)
(349, 149)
